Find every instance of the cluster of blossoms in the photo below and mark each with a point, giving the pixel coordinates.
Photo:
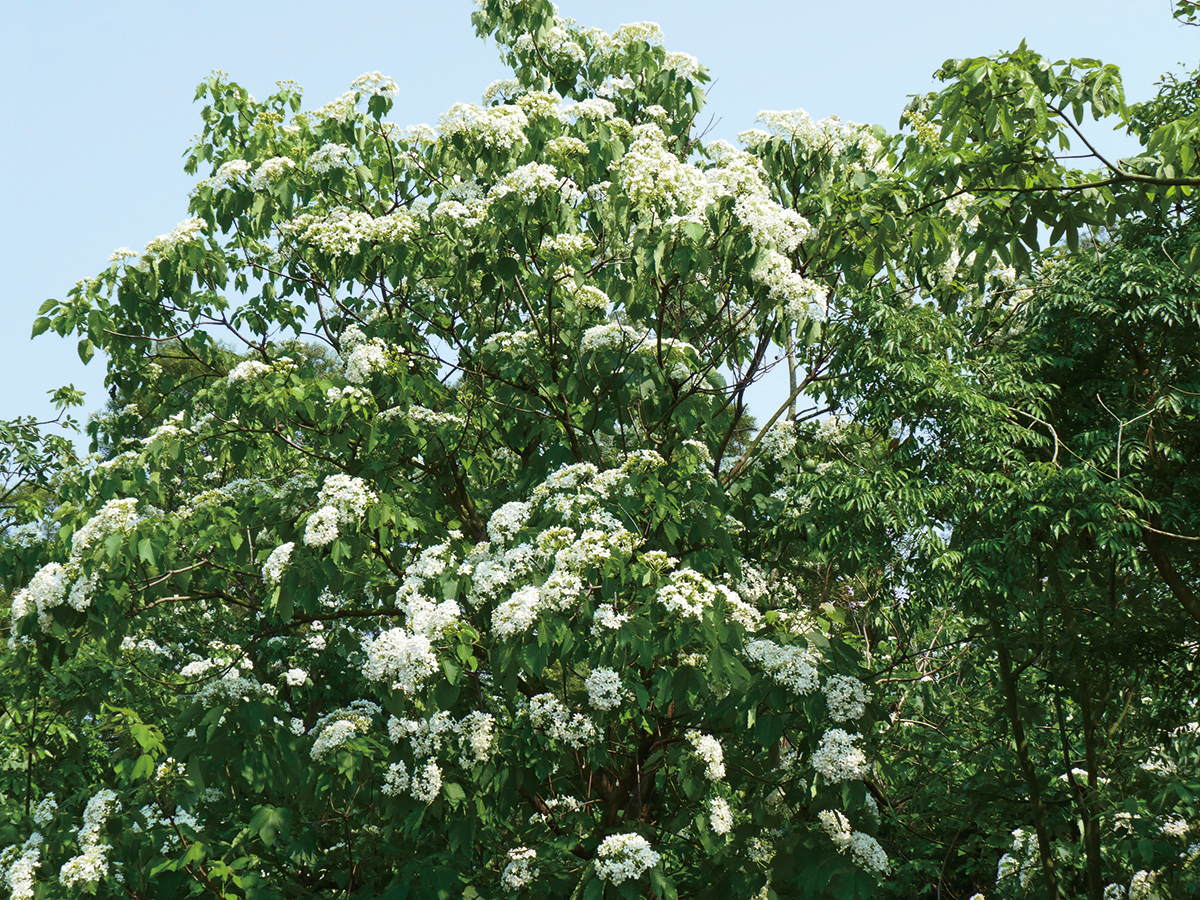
(839, 758)
(623, 857)
(186, 232)
(845, 697)
(343, 500)
(270, 172)
(473, 733)
(18, 864)
(1022, 861)
(496, 127)
(403, 659)
(520, 871)
(604, 689)
(341, 232)
(248, 370)
(708, 750)
(423, 785)
(55, 583)
(277, 562)
(793, 667)
(91, 864)
(688, 593)
(549, 715)
(652, 175)
(831, 137)
(720, 816)
(864, 849)
(331, 156)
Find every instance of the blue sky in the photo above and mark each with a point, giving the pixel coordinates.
(96, 111)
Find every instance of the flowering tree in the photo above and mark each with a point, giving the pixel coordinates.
(473, 601)
(460, 568)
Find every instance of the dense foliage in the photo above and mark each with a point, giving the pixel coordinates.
(429, 548)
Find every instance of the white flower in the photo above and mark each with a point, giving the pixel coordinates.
(322, 527)
(186, 232)
(366, 360)
(247, 370)
(548, 714)
(607, 619)
(520, 871)
(403, 658)
(708, 749)
(604, 688)
(271, 171)
(331, 156)
(396, 780)
(426, 784)
(497, 127)
(43, 813)
(118, 515)
(838, 758)
(845, 697)
(295, 677)
(622, 857)
(508, 520)
(273, 568)
(720, 816)
(517, 614)
(793, 667)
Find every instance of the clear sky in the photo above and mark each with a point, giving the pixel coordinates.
(96, 111)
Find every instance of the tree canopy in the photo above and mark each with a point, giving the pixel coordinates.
(429, 547)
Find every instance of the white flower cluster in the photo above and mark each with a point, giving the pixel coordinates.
(186, 232)
(295, 677)
(623, 857)
(508, 520)
(333, 736)
(651, 175)
(228, 175)
(689, 593)
(846, 697)
(793, 667)
(365, 360)
(520, 871)
(720, 816)
(708, 750)
(18, 864)
(496, 127)
(1141, 886)
(424, 784)
(270, 172)
(863, 848)
(331, 156)
(548, 714)
(798, 297)
(604, 688)
(43, 813)
(475, 734)
(839, 758)
(277, 562)
(830, 137)
(118, 515)
(341, 231)
(533, 180)
(1022, 862)
(606, 618)
(555, 45)
(248, 370)
(404, 659)
(91, 865)
(343, 500)
(376, 84)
